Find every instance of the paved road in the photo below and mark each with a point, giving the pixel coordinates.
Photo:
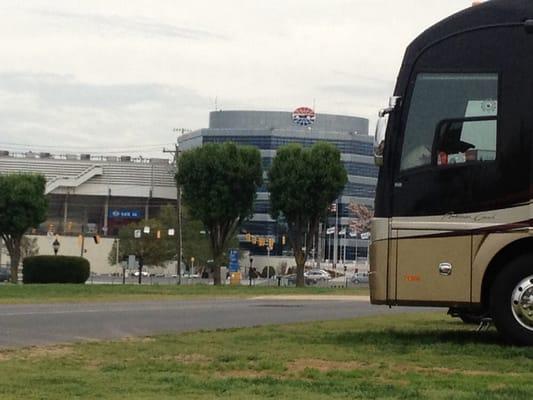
(23, 325)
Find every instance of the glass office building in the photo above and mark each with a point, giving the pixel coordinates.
(268, 130)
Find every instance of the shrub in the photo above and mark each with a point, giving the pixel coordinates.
(271, 273)
(55, 269)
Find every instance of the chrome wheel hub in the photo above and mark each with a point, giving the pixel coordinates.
(522, 303)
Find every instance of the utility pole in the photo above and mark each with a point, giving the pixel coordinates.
(336, 235)
(82, 244)
(179, 243)
(319, 245)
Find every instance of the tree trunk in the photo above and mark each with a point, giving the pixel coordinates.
(295, 238)
(218, 240)
(300, 268)
(14, 254)
(14, 269)
(217, 281)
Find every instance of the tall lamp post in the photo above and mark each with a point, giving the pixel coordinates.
(55, 246)
(179, 240)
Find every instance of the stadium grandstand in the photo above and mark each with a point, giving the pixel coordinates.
(94, 195)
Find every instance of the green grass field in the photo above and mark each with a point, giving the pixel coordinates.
(11, 294)
(413, 356)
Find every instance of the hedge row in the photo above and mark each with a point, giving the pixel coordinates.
(55, 269)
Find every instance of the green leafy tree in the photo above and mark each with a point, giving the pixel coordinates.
(154, 250)
(195, 242)
(302, 184)
(219, 183)
(23, 205)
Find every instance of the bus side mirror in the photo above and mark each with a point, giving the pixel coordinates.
(379, 139)
(381, 129)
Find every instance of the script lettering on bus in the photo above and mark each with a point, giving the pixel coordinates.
(468, 217)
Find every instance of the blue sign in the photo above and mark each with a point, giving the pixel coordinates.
(234, 260)
(125, 213)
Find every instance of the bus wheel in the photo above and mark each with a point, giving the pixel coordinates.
(511, 301)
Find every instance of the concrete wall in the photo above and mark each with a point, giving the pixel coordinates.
(96, 253)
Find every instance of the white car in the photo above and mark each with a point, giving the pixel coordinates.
(360, 277)
(144, 273)
(317, 275)
(191, 276)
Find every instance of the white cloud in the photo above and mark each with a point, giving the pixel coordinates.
(105, 72)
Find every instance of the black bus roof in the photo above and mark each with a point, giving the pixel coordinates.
(493, 12)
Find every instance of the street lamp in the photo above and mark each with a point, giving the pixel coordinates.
(56, 246)
(250, 270)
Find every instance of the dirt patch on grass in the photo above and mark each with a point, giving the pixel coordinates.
(244, 373)
(447, 371)
(48, 352)
(93, 365)
(31, 353)
(6, 355)
(133, 339)
(302, 364)
(192, 359)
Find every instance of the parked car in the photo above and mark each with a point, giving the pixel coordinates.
(144, 273)
(190, 276)
(316, 275)
(360, 277)
(5, 274)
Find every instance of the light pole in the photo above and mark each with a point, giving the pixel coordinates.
(117, 258)
(336, 235)
(179, 240)
(344, 253)
(250, 270)
(268, 262)
(56, 246)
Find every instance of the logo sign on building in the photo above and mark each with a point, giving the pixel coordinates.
(303, 116)
(234, 260)
(125, 213)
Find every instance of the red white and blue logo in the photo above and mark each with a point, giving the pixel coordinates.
(303, 116)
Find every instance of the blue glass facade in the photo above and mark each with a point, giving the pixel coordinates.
(273, 142)
(361, 169)
(359, 190)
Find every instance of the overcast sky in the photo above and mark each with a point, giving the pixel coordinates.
(117, 76)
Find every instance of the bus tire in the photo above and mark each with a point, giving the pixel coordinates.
(511, 301)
